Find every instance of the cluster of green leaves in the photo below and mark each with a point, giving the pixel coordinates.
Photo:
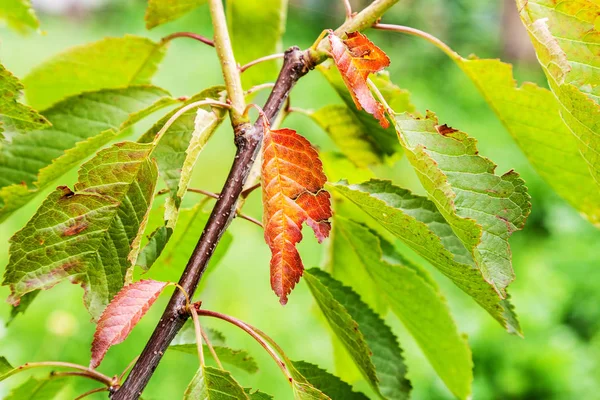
(91, 96)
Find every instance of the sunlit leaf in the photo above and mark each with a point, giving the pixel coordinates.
(214, 384)
(373, 264)
(90, 235)
(416, 221)
(367, 339)
(293, 194)
(162, 11)
(106, 64)
(327, 383)
(15, 116)
(257, 395)
(122, 314)
(256, 28)
(19, 15)
(5, 367)
(81, 125)
(38, 389)
(356, 58)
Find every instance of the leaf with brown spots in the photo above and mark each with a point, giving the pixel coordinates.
(293, 194)
(356, 58)
(122, 314)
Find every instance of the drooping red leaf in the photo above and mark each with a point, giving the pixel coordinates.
(122, 314)
(356, 58)
(293, 194)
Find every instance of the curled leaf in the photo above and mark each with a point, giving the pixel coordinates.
(122, 314)
(293, 193)
(356, 58)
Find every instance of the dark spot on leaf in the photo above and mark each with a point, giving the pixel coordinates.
(445, 129)
(78, 227)
(66, 192)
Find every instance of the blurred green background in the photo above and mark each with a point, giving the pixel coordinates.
(556, 257)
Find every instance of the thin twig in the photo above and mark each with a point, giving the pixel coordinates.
(299, 110)
(260, 60)
(58, 374)
(127, 368)
(190, 35)
(188, 107)
(249, 330)
(348, 8)
(419, 33)
(210, 347)
(198, 331)
(90, 392)
(256, 88)
(91, 373)
(251, 189)
(204, 192)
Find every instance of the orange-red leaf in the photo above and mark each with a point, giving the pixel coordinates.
(356, 58)
(293, 193)
(121, 315)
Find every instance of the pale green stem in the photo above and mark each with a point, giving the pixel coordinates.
(424, 35)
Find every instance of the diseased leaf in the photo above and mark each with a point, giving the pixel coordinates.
(256, 28)
(327, 383)
(214, 384)
(257, 395)
(38, 389)
(23, 305)
(418, 223)
(356, 58)
(122, 314)
(540, 132)
(412, 295)
(565, 37)
(482, 208)
(109, 63)
(162, 11)
(368, 340)
(89, 235)
(19, 15)
(14, 116)
(80, 125)
(355, 132)
(293, 193)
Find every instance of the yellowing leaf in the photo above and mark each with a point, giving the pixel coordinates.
(293, 193)
(162, 11)
(19, 14)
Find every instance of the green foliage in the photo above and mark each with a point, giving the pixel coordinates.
(38, 389)
(162, 11)
(327, 383)
(214, 384)
(19, 15)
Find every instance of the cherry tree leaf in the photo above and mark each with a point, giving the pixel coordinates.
(565, 38)
(257, 395)
(80, 125)
(293, 194)
(90, 235)
(214, 384)
(483, 208)
(122, 314)
(162, 11)
(327, 383)
(109, 63)
(373, 264)
(15, 116)
(418, 223)
(367, 339)
(39, 389)
(19, 15)
(356, 58)
(256, 28)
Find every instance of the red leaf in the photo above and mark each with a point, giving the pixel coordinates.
(121, 315)
(356, 58)
(293, 193)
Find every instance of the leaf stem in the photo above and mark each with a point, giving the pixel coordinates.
(251, 189)
(256, 88)
(348, 8)
(380, 97)
(229, 66)
(252, 332)
(419, 33)
(91, 392)
(260, 60)
(198, 330)
(210, 347)
(190, 35)
(85, 371)
(127, 368)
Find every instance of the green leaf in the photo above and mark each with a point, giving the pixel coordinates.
(482, 208)
(257, 395)
(540, 132)
(355, 132)
(368, 340)
(414, 298)
(38, 389)
(162, 11)
(19, 15)
(91, 235)
(23, 305)
(418, 223)
(187, 335)
(80, 125)
(327, 383)
(565, 38)
(176, 253)
(15, 116)
(214, 384)
(256, 28)
(5, 368)
(109, 63)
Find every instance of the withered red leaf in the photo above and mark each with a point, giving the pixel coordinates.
(293, 194)
(122, 314)
(356, 58)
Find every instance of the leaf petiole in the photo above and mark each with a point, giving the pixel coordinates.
(190, 35)
(260, 60)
